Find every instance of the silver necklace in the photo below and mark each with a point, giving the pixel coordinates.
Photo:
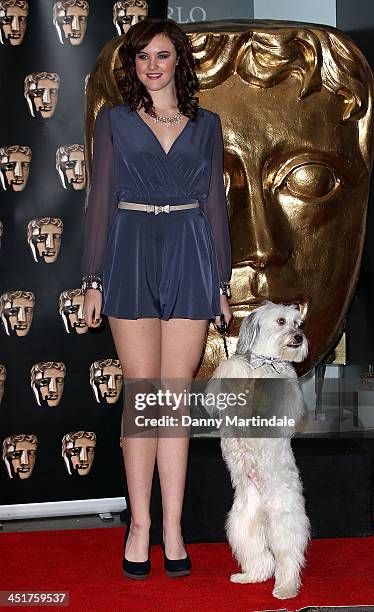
(166, 120)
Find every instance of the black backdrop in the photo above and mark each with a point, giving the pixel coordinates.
(44, 195)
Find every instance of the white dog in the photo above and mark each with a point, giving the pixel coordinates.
(267, 527)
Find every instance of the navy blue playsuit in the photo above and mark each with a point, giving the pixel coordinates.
(170, 264)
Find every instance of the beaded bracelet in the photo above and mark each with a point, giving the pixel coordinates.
(224, 288)
(92, 281)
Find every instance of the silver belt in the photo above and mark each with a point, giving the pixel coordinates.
(167, 208)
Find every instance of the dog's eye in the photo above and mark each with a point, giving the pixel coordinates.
(281, 321)
(301, 325)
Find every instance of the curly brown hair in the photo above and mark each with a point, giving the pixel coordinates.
(186, 82)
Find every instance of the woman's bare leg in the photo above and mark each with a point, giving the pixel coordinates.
(139, 351)
(182, 344)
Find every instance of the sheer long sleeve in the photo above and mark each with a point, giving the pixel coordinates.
(101, 203)
(215, 208)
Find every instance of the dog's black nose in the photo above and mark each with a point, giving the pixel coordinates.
(298, 338)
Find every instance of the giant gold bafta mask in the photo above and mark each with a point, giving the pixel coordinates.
(47, 380)
(101, 87)
(295, 102)
(106, 380)
(71, 166)
(44, 238)
(14, 167)
(78, 450)
(19, 454)
(298, 158)
(16, 311)
(70, 20)
(13, 21)
(41, 93)
(71, 311)
(128, 12)
(2, 381)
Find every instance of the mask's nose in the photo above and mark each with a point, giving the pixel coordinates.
(18, 170)
(262, 237)
(15, 24)
(46, 97)
(75, 25)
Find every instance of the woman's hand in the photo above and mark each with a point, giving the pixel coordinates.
(226, 309)
(92, 307)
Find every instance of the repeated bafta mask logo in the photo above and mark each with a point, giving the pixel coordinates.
(13, 21)
(44, 238)
(78, 451)
(16, 311)
(128, 12)
(19, 454)
(106, 380)
(1, 231)
(71, 166)
(71, 311)
(14, 167)
(70, 20)
(47, 380)
(41, 93)
(2, 381)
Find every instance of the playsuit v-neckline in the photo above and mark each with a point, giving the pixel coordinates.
(157, 140)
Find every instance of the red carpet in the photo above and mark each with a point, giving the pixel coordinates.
(87, 563)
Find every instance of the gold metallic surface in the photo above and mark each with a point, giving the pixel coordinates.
(295, 101)
(101, 91)
(340, 357)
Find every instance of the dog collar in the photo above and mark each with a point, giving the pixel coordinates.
(256, 361)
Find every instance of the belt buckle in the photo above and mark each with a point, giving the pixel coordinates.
(165, 208)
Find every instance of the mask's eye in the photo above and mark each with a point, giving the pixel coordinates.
(281, 321)
(310, 181)
(306, 180)
(102, 380)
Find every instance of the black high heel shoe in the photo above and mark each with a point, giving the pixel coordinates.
(176, 567)
(135, 569)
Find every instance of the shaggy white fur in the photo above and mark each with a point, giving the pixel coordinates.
(267, 527)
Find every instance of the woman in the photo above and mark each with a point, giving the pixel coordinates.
(159, 274)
